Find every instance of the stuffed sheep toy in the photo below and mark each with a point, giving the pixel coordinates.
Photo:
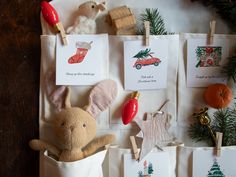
(85, 21)
(75, 127)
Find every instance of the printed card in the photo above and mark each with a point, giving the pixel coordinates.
(155, 164)
(204, 63)
(83, 61)
(145, 66)
(206, 164)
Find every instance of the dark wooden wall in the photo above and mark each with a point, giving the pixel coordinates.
(19, 86)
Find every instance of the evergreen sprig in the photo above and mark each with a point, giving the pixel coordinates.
(157, 25)
(230, 68)
(225, 8)
(199, 132)
(224, 120)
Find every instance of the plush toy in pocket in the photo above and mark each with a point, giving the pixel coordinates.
(85, 21)
(75, 127)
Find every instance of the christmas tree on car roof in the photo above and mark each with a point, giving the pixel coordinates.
(143, 54)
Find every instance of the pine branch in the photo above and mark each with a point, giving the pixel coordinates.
(230, 68)
(225, 122)
(225, 8)
(199, 132)
(157, 25)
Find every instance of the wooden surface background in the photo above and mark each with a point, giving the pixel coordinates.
(19, 86)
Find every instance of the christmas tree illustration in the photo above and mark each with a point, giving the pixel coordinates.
(143, 54)
(215, 171)
(147, 170)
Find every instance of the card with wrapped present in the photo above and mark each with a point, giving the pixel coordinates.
(83, 61)
(204, 62)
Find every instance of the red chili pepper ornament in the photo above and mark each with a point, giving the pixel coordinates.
(51, 17)
(130, 108)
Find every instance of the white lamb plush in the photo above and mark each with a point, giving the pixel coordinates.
(85, 22)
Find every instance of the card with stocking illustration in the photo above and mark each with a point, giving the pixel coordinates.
(83, 61)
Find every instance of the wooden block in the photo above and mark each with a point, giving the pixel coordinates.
(119, 12)
(128, 31)
(126, 22)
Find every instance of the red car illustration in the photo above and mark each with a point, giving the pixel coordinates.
(144, 58)
(146, 61)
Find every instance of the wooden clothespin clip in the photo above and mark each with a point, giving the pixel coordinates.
(51, 17)
(212, 31)
(61, 29)
(134, 147)
(147, 32)
(218, 143)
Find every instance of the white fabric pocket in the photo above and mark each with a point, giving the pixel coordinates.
(116, 161)
(191, 99)
(185, 158)
(88, 167)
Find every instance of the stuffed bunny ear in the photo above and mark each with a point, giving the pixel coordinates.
(56, 94)
(101, 96)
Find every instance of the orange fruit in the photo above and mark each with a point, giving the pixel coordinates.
(218, 96)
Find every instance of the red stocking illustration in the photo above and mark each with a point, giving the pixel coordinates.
(82, 50)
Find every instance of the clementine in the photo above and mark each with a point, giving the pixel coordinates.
(218, 95)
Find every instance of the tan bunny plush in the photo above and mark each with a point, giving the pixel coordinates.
(75, 127)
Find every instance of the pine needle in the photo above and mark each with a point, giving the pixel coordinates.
(226, 9)
(157, 25)
(224, 120)
(230, 68)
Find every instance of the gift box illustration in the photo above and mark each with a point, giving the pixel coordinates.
(208, 56)
(81, 52)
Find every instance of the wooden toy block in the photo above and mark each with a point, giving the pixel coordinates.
(125, 22)
(129, 31)
(119, 12)
(122, 20)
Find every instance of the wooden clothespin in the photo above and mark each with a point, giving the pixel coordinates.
(147, 32)
(134, 147)
(61, 29)
(51, 17)
(218, 143)
(212, 30)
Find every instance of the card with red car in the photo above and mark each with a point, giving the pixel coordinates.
(145, 67)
